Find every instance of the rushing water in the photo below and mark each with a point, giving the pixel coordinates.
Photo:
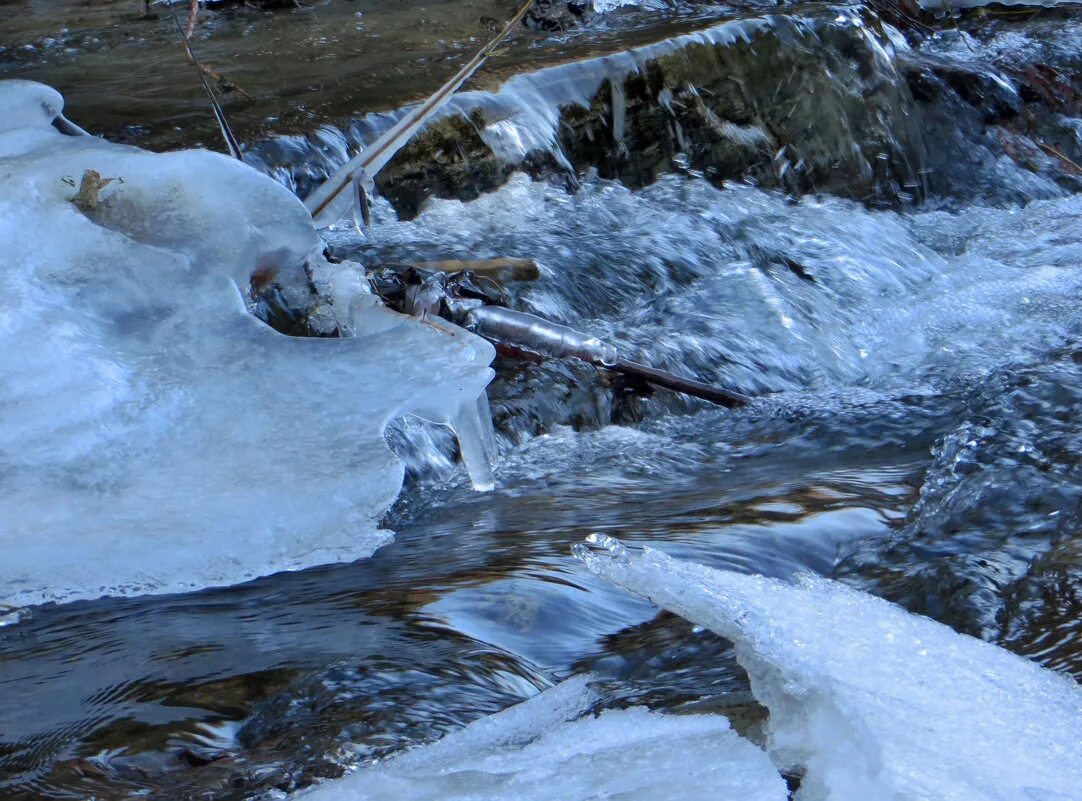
(918, 378)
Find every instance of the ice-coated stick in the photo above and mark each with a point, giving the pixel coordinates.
(533, 334)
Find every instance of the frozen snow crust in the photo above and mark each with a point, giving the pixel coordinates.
(536, 752)
(869, 701)
(155, 436)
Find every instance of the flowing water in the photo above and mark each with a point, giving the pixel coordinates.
(917, 379)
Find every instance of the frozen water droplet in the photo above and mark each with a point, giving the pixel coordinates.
(597, 545)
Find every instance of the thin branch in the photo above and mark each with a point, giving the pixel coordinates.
(365, 165)
(223, 125)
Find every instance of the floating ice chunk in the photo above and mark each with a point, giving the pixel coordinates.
(532, 752)
(605, 6)
(872, 702)
(155, 436)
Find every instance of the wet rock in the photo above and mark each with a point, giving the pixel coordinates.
(992, 94)
(808, 103)
(992, 547)
(994, 90)
(557, 15)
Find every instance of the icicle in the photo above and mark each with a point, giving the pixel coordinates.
(619, 114)
(477, 442)
(361, 209)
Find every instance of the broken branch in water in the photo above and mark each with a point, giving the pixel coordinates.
(1055, 152)
(477, 302)
(329, 202)
(502, 268)
(533, 334)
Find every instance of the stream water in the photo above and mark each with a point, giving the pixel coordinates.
(917, 378)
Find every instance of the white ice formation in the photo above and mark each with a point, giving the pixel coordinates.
(537, 752)
(869, 701)
(154, 435)
(866, 702)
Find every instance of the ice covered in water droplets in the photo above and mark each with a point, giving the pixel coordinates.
(871, 702)
(155, 436)
(600, 544)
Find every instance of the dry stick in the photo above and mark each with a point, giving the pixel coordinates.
(1059, 154)
(193, 11)
(365, 165)
(227, 133)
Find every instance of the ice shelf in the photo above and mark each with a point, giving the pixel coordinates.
(154, 435)
(868, 701)
(538, 751)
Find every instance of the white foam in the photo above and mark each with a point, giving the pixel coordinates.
(874, 703)
(537, 752)
(605, 6)
(155, 436)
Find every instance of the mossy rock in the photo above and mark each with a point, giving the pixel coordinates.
(804, 103)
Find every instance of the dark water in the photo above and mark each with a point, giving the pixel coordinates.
(919, 382)
(124, 74)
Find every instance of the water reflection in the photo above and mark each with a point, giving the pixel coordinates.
(475, 606)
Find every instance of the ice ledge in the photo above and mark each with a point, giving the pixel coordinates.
(547, 749)
(869, 701)
(154, 436)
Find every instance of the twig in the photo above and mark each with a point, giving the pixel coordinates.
(193, 10)
(223, 125)
(957, 28)
(1059, 154)
(363, 167)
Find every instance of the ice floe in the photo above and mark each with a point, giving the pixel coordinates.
(154, 435)
(538, 751)
(868, 701)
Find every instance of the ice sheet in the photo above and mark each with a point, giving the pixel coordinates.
(872, 702)
(536, 752)
(155, 436)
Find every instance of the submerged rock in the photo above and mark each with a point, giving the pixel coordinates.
(558, 15)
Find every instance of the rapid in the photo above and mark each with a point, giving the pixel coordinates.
(650, 574)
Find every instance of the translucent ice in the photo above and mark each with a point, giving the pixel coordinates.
(154, 435)
(871, 702)
(536, 752)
